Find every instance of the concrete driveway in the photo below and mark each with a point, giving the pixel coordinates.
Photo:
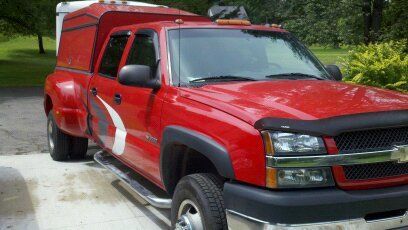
(38, 193)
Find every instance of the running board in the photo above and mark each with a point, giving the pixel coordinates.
(110, 163)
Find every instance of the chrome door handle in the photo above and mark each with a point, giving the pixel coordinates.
(94, 91)
(117, 99)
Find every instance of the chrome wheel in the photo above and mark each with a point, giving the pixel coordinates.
(50, 131)
(189, 217)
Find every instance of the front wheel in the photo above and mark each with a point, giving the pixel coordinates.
(198, 203)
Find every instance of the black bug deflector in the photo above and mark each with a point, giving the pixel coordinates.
(334, 126)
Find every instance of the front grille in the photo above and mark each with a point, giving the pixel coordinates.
(375, 171)
(371, 140)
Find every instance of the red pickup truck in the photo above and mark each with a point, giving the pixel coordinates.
(239, 124)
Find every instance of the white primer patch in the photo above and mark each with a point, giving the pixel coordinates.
(120, 133)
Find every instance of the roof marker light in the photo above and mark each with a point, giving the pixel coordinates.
(276, 26)
(101, 1)
(179, 21)
(233, 22)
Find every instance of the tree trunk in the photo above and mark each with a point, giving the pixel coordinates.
(40, 44)
(376, 16)
(367, 20)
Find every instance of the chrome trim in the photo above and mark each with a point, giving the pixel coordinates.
(398, 154)
(169, 67)
(104, 159)
(243, 222)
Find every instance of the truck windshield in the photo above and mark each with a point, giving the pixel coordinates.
(203, 55)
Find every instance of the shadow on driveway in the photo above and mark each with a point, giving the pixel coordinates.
(16, 206)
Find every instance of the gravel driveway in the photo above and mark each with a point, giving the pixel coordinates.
(22, 121)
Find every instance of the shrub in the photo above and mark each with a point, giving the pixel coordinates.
(382, 65)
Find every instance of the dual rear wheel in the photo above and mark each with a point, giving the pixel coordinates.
(63, 146)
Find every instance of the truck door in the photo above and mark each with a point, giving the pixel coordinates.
(106, 126)
(140, 108)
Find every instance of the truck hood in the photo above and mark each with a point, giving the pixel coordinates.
(295, 99)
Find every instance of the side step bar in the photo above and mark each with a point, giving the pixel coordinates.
(108, 161)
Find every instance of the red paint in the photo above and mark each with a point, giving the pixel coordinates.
(72, 22)
(77, 56)
(224, 112)
(301, 99)
(331, 146)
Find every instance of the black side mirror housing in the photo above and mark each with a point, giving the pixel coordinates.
(139, 76)
(335, 72)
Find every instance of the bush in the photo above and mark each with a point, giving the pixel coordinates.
(382, 65)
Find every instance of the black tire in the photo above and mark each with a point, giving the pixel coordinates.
(205, 191)
(64, 146)
(61, 143)
(79, 147)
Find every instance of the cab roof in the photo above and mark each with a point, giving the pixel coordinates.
(201, 24)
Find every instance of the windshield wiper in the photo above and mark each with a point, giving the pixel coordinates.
(222, 78)
(294, 75)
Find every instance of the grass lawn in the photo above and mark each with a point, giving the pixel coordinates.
(22, 65)
(329, 55)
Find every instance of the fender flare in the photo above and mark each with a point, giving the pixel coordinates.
(216, 153)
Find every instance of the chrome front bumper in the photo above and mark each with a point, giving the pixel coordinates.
(237, 221)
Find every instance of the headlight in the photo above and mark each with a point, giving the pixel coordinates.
(281, 144)
(292, 144)
(299, 177)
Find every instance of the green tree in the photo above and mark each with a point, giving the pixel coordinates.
(333, 22)
(395, 21)
(25, 17)
(323, 22)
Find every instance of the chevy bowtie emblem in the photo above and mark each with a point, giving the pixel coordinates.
(400, 154)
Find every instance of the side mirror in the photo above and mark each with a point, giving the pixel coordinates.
(335, 72)
(138, 75)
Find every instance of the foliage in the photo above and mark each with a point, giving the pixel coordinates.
(381, 65)
(325, 22)
(333, 22)
(26, 17)
(395, 24)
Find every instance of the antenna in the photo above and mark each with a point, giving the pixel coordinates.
(179, 51)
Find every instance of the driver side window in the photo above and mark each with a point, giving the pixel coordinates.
(144, 49)
(112, 56)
